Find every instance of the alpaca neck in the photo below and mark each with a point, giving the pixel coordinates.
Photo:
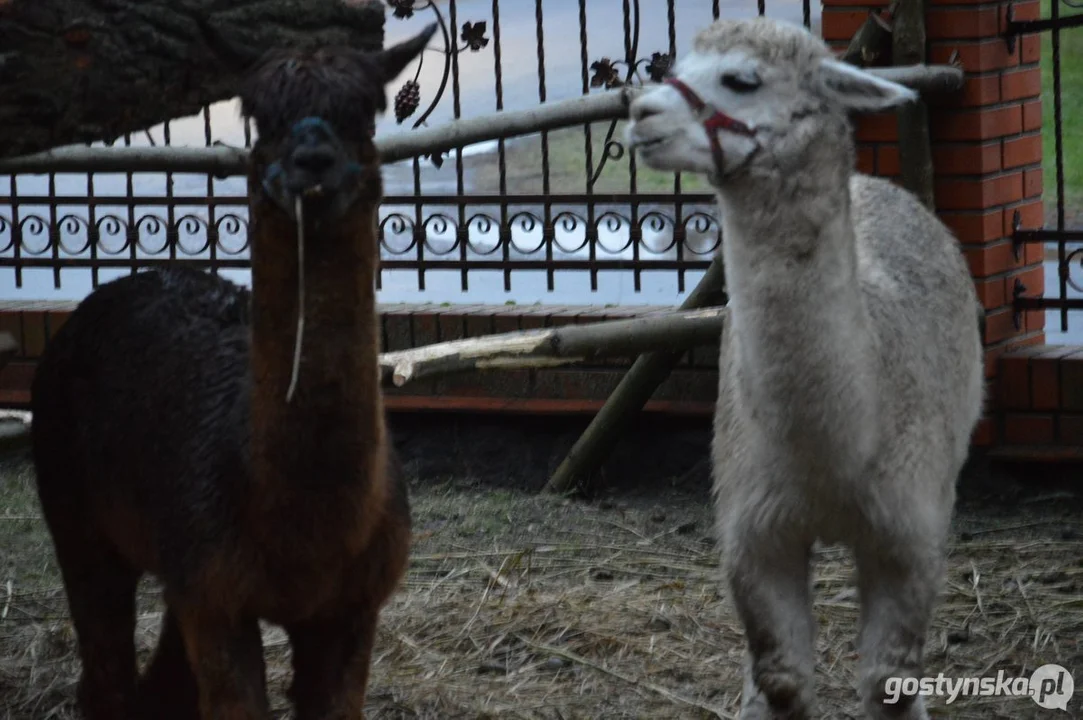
(806, 361)
(330, 432)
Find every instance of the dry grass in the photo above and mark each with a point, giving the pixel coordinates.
(519, 606)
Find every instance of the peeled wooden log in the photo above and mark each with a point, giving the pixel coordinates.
(632, 393)
(223, 161)
(555, 346)
(75, 71)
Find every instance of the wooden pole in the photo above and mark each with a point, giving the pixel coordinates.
(633, 392)
(915, 146)
(871, 44)
(224, 161)
(555, 346)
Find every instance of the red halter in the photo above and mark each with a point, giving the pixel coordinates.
(713, 119)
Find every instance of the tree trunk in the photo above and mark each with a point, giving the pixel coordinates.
(74, 71)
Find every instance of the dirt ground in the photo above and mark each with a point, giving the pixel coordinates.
(519, 605)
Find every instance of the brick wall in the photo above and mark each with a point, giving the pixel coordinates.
(987, 154)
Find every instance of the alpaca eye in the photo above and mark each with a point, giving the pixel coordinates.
(741, 84)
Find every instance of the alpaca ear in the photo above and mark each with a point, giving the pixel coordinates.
(861, 91)
(394, 59)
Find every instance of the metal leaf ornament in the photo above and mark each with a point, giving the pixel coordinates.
(605, 73)
(473, 35)
(403, 8)
(659, 66)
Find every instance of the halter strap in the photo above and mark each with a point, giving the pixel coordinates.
(713, 119)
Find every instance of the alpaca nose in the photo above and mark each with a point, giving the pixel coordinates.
(314, 159)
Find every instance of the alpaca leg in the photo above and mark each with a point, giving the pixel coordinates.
(226, 657)
(331, 665)
(898, 588)
(168, 688)
(769, 581)
(100, 588)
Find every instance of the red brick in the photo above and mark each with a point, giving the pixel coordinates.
(975, 227)
(56, 320)
(1028, 429)
(1013, 379)
(866, 159)
(1030, 48)
(1027, 10)
(985, 433)
(962, 23)
(978, 194)
(1032, 183)
(966, 159)
(1033, 253)
(11, 322)
(1025, 150)
(1019, 84)
(34, 333)
(979, 124)
(1032, 115)
(881, 127)
(988, 260)
(887, 160)
(991, 293)
(1071, 381)
(977, 90)
(1034, 321)
(1071, 430)
(999, 326)
(1031, 216)
(1033, 280)
(975, 56)
(841, 24)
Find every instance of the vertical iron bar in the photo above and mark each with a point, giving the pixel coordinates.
(54, 232)
(547, 208)
(92, 228)
(678, 207)
(16, 232)
(504, 233)
(588, 150)
(462, 233)
(131, 234)
(171, 231)
(761, 7)
(212, 237)
(716, 11)
(1058, 140)
(633, 210)
(806, 13)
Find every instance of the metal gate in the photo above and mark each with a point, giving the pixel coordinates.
(1068, 241)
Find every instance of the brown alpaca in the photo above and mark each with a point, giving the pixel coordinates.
(170, 439)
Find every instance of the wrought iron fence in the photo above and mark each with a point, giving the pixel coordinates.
(1065, 237)
(563, 215)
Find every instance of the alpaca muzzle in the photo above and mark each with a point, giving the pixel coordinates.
(315, 168)
(712, 119)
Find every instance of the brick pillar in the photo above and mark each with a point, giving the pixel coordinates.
(987, 155)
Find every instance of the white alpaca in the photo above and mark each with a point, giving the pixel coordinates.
(851, 369)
